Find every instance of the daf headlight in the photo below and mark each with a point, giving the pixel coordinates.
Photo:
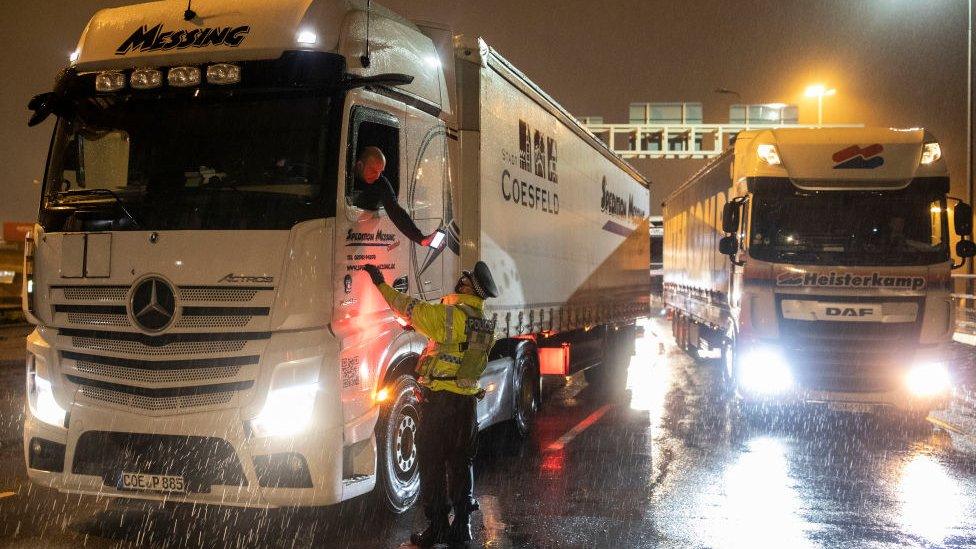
(289, 408)
(769, 154)
(931, 152)
(40, 396)
(928, 379)
(763, 370)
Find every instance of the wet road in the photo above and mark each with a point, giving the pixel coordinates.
(649, 460)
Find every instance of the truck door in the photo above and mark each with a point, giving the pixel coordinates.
(423, 196)
(364, 231)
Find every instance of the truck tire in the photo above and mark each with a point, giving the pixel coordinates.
(679, 332)
(525, 391)
(398, 478)
(728, 364)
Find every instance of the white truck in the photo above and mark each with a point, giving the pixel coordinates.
(204, 332)
(818, 262)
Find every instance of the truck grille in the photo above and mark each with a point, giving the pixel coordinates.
(141, 349)
(159, 372)
(98, 319)
(849, 356)
(92, 293)
(207, 293)
(157, 404)
(175, 398)
(208, 357)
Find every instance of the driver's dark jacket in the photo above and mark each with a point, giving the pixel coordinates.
(381, 192)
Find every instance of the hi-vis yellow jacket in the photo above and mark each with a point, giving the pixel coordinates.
(458, 335)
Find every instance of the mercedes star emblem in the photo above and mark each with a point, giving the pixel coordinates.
(153, 304)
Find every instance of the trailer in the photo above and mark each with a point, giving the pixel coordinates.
(204, 330)
(818, 262)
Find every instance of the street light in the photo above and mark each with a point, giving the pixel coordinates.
(819, 91)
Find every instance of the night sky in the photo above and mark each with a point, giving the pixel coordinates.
(897, 63)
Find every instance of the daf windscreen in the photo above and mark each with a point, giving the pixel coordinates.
(901, 227)
(260, 154)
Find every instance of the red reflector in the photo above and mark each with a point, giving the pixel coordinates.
(554, 361)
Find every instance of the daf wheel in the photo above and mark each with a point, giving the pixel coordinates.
(398, 482)
(728, 363)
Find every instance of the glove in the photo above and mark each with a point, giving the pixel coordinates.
(374, 273)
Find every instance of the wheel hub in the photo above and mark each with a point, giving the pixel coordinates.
(405, 448)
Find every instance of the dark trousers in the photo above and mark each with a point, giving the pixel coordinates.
(447, 440)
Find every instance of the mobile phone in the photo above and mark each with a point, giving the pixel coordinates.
(438, 239)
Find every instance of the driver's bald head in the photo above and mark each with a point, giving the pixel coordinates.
(370, 164)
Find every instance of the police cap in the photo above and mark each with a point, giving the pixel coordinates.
(482, 280)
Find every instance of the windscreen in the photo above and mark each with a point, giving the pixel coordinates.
(219, 161)
(849, 228)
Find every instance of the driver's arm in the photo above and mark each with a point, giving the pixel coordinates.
(397, 214)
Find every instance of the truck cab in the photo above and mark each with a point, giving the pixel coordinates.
(195, 273)
(830, 272)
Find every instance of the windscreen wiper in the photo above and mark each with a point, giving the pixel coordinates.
(109, 192)
(809, 255)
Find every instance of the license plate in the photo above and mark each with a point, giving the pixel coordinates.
(853, 407)
(152, 483)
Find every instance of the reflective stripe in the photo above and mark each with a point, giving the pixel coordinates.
(449, 358)
(449, 326)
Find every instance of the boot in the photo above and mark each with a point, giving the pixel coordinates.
(460, 534)
(437, 529)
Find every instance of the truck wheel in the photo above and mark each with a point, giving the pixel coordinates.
(525, 390)
(728, 366)
(679, 338)
(399, 474)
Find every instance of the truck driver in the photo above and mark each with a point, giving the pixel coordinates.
(376, 189)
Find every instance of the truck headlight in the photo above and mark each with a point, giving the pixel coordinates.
(40, 396)
(763, 370)
(287, 411)
(928, 379)
(769, 154)
(931, 153)
(291, 401)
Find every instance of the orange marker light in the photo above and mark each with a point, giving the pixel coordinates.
(382, 395)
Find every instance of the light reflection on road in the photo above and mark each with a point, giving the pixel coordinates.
(648, 375)
(761, 499)
(756, 488)
(931, 503)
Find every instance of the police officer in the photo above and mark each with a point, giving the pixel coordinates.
(449, 368)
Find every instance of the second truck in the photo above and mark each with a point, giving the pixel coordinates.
(818, 262)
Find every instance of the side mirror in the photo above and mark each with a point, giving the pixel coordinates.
(42, 106)
(963, 220)
(730, 217)
(729, 245)
(965, 249)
